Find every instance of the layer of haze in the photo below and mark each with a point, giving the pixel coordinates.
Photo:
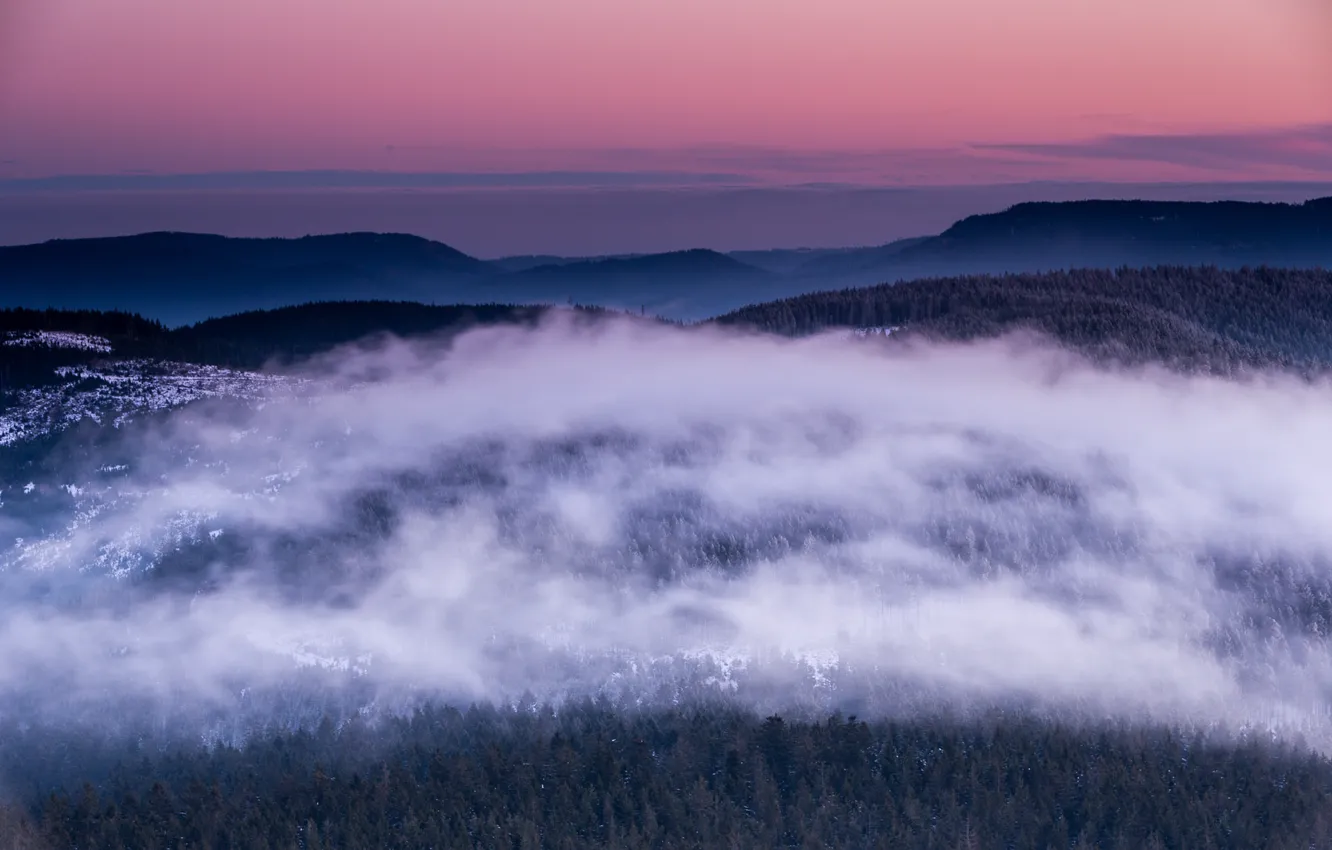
(650, 513)
(578, 222)
(473, 84)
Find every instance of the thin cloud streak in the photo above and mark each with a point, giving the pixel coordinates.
(1302, 148)
(269, 180)
(1296, 153)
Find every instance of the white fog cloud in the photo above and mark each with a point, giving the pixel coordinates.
(569, 511)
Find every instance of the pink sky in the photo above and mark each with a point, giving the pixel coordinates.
(905, 85)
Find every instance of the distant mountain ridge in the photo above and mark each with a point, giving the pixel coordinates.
(695, 261)
(666, 282)
(1046, 236)
(1241, 231)
(165, 253)
(181, 278)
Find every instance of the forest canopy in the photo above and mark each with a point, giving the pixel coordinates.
(1197, 318)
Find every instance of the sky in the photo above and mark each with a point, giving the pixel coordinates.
(770, 91)
(604, 126)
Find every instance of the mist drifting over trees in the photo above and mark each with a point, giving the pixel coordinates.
(603, 530)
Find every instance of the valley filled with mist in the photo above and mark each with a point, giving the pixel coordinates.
(1074, 520)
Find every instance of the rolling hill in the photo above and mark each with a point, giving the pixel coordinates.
(1034, 237)
(1195, 318)
(672, 284)
(181, 278)
(1191, 317)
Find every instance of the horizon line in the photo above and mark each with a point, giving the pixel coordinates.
(635, 254)
(553, 179)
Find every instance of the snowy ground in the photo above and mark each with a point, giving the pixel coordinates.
(861, 333)
(57, 339)
(114, 393)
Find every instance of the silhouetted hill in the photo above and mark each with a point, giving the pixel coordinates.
(788, 260)
(697, 261)
(688, 284)
(523, 262)
(169, 252)
(179, 277)
(184, 277)
(1195, 318)
(857, 260)
(1224, 223)
(1233, 231)
(1100, 234)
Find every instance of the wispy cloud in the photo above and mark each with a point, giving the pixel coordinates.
(137, 180)
(1298, 154)
(786, 166)
(1307, 148)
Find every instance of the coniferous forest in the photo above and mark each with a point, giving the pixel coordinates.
(1193, 318)
(591, 777)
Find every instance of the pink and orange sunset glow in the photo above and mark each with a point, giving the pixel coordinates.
(872, 91)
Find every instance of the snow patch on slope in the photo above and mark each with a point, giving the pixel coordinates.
(58, 339)
(862, 333)
(114, 393)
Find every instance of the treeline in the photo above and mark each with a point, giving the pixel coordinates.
(110, 323)
(248, 340)
(592, 777)
(1196, 318)
(30, 365)
(253, 339)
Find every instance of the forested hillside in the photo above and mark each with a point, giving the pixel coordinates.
(1196, 318)
(591, 777)
(242, 341)
(288, 334)
(1192, 317)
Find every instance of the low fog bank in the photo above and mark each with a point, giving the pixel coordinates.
(658, 515)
